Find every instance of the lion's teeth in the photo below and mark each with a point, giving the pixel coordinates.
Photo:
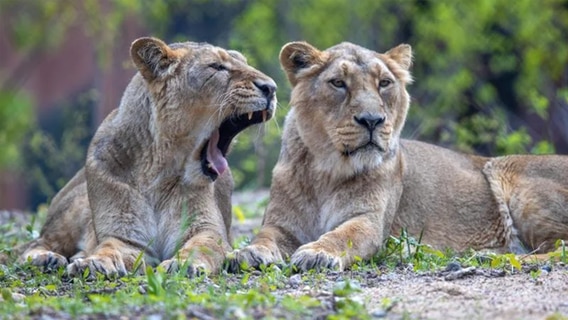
(209, 165)
(263, 115)
(250, 115)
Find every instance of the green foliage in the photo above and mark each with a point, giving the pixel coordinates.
(490, 76)
(501, 261)
(407, 250)
(53, 158)
(15, 120)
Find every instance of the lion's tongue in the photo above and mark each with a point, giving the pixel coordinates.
(214, 155)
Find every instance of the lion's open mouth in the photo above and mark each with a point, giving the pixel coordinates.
(213, 161)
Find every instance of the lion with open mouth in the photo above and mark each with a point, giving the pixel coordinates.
(156, 186)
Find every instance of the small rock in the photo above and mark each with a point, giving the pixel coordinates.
(235, 313)
(295, 280)
(378, 313)
(453, 266)
(17, 297)
(546, 268)
(460, 273)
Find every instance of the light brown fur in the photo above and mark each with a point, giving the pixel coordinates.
(147, 187)
(331, 202)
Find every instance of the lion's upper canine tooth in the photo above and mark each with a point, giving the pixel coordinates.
(263, 115)
(250, 115)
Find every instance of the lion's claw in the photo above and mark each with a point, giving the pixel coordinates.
(252, 257)
(102, 265)
(47, 259)
(193, 269)
(307, 259)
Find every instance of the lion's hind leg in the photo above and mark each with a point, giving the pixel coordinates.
(39, 255)
(62, 233)
(535, 192)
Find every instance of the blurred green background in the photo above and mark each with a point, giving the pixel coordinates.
(491, 76)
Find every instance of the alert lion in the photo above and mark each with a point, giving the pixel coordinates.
(156, 183)
(345, 180)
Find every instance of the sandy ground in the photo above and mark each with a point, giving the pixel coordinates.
(477, 296)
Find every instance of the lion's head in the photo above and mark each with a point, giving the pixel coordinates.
(349, 103)
(201, 97)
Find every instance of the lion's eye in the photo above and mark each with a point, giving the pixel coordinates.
(217, 66)
(385, 83)
(338, 83)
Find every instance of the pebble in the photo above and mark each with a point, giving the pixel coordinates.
(378, 313)
(295, 280)
(546, 268)
(453, 266)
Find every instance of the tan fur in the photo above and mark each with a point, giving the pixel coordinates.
(144, 190)
(330, 204)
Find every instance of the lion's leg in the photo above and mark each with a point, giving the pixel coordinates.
(204, 252)
(63, 231)
(123, 227)
(204, 242)
(271, 245)
(112, 257)
(540, 214)
(359, 237)
(534, 191)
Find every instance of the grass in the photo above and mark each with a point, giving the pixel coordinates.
(273, 292)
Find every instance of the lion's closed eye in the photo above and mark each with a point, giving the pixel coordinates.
(218, 66)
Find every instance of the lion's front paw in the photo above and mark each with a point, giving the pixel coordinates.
(252, 256)
(191, 269)
(307, 257)
(44, 258)
(108, 266)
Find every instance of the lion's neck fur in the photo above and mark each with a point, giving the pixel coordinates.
(172, 159)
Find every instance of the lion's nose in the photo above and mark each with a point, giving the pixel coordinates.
(268, 88)
(370, 121)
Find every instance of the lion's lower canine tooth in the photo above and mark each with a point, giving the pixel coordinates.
(250, 115)
(263, 115)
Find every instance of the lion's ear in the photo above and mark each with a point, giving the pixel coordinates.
(296, 57)
(402, 54)
(153, 57)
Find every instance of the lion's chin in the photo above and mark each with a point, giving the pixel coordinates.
(339, 166)
(366, 159)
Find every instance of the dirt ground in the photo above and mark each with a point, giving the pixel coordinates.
(462, 293)
(455, 293)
